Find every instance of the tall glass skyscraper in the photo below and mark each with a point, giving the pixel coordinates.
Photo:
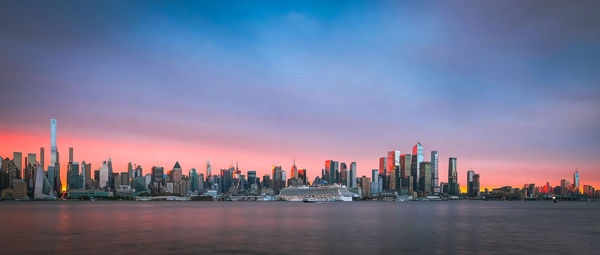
(452, 177)
(52, 142)
(416, 163)
(576, 179)
(434, 172)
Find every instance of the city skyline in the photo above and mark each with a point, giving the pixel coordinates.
(512, 95)
(384, 167)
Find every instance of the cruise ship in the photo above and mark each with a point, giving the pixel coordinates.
(316, 194)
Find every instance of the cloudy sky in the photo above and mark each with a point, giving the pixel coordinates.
(510, 88)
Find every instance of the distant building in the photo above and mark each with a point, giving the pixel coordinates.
(425, 179)
(104, 176)
(365, 186)
(382, 165)
(352, 175)
(332, 169)
(576, 179)
(42, 157)
(20, 189)
(18, 159)
(435, 172)
(452, 178)
(473, 186)
(175, 175)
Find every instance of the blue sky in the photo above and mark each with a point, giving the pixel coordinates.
(500, 84)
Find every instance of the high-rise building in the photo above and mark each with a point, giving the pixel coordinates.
(343, 174)
(70, 154)
(208, 169)
(382, 166)
(252, 181)
(476, 185)
(42, 158)
(393, 169)
(84, 175)
(294, 170)
(302, 175)
(104, 175)
(53, 150)
(470, 174)
(18, 159)
(418, 152)
(86, 170)
(425, 179)
(74, 179)
(473, 186)
(353, 175)
(405, 170)
(435, 172)
(195, 184)
(277, 174)
(176, 174)
(365, 186)
(130, 173)
(576, 179)
(31, 159)
(393, 160)
(331, 168)
(452, 178)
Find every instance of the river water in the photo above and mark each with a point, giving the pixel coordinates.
(440, 227)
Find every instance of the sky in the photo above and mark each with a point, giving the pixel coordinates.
(510, 88)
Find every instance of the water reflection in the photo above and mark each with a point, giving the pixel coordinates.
(465, 227)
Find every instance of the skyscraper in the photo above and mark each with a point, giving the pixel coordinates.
(331, 168)
(353, 175)
(425, 179)
(418, 152)
(277, 179)
(31, 159)
(18, 159)
(104, 175)
(470, 174)
(42, 157)
(576, 179)
(208, 169)
(452, 178)
(294, 170)
(382, 166)
(343, 177)
(83, 174)
(194, 180)
(434, 172)
(405, 170)
(70, 154)
(393, 160)
(53, 150)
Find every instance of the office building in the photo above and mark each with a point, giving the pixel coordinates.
(53, 150)
(425, 179)
(418, 156)
(382, 165)
(332, 169)
(104, 176)
(18, 159)
(208, 169)
(175, 175)
(42, 157)
(353, 175)
(70, 154)
(576, 179)
(473, 186)
(435, 182)
(452, 178)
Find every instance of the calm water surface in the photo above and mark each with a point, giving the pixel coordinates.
(454, 227)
